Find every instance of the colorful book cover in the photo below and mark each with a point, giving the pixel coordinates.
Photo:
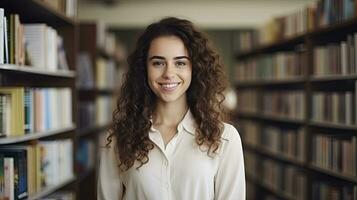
(19, 155)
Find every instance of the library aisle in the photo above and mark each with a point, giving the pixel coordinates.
(295, 77)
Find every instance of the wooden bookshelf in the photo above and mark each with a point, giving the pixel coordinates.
(36, 71)
(34, 136)
(277, 156)
(90, 45)
(343, 177)
(276, 46)
(335, 126)
(14, 75)
(44, 13)
(49, 190)
(310, 84)
(280, 194)
(267, 83)
(273, 118)
(93, 130)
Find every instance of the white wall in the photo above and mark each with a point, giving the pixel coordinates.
(207, 14)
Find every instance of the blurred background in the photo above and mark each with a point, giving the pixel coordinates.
(292, 70)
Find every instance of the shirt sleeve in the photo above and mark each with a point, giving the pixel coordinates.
(109, 185)
(230, 178)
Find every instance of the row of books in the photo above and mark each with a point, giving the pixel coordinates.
(31, 110)
(335, 153)
(104, 109)
(276, 66)
(335, 107)
(282, 141)
(27, 169)
(251, 164)
(109, 43)
(244, 41)
(247, 101)
(249, 130)
(280, 177)
(318, 14)
(332, 191)
(106, 74)
(87, 114)
(35, 44)
(85, 155)
(67, 7)
(98, 112)
(85, 78)
(251, 190)
(336, 58)
(289, 104)
(285, 178)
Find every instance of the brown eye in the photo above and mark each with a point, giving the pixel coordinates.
(158, 63)
(181, 63)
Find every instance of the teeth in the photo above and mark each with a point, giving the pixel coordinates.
(171, 85)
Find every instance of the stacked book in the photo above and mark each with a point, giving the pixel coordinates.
(27, 169)
(30, 110)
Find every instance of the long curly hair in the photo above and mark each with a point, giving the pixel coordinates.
(135, 105)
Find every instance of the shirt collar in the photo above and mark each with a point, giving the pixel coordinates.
(188, 123)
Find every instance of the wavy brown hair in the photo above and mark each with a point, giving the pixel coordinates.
(136, 101)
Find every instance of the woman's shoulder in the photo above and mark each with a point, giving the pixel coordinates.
(230, 132)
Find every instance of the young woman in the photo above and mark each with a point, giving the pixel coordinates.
(168, 140)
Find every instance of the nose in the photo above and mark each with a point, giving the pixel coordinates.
(169, 71)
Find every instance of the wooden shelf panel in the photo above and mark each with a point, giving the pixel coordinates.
(278, 156)
(92, 130)
(333, 125)
(325, 78)
(350, 25)
(34, 136)
(281, 119)
(38, 71)
(333, 174)
(267, 187)
(275, 46)
(84, 175)
(36, 11)
(298, 80)
(49, 190)
(95, 91)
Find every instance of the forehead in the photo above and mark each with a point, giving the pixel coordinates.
(167, 46)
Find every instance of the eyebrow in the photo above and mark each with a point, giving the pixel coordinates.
(163, 58)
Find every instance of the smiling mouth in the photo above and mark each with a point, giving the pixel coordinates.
(169, 86)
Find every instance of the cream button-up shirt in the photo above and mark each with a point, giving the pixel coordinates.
(181, 171)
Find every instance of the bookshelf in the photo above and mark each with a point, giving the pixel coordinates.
(28, 91)
(327, 80)
(97, 86)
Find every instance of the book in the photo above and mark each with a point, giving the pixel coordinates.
(19, 155)
(9, 176)
(2, 36)
(16, 107)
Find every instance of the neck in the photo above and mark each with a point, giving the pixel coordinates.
(170, 114)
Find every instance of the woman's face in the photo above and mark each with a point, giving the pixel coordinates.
(169, 69)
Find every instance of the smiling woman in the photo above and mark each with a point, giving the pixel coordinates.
(169, 69)
(168, 140)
